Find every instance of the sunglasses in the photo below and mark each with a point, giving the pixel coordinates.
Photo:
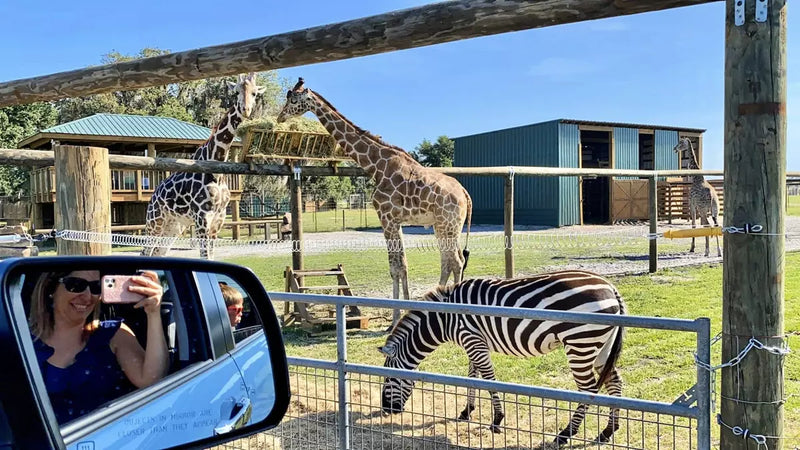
(236, 309)
(77, 285)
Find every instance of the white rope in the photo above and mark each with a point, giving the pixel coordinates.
(498, 242)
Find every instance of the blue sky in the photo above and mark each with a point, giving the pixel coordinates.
(661, 68)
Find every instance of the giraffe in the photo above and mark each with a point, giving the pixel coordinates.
(186, 198)
(406, 192)
(703, 199)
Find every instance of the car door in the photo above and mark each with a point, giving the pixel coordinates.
(180, 408)
(247, 345)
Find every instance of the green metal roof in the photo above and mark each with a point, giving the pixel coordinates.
(126, 125)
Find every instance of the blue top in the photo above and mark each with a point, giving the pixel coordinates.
(93, 379)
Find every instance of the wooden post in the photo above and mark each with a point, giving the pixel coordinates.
(151, 150)
(235, 218)
(296, 196)
(83, 197)
(752, 394)
(508, 224)
(653, 223)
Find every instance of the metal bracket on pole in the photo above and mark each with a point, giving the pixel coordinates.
(296, 170)
(761, 10)
(738, 13)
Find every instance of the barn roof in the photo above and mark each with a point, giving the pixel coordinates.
(126, 126)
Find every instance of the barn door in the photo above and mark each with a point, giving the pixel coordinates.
(629, 200)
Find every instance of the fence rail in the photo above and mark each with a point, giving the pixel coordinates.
(345, 370)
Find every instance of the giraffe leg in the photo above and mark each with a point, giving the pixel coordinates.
(704, 222)
(162, 228)
(693, 215)
(716, 224)
(452, 261)
(398, 267)
(202, 226)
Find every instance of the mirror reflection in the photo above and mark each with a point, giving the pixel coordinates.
(176, 355)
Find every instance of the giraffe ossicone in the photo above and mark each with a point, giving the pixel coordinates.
(200, 199)
(406, 193)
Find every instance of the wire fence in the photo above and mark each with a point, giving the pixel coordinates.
(336, 404)
(430, 420)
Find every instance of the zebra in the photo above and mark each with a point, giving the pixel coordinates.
(588, 347)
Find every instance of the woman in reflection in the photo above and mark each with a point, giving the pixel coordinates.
(86, 362)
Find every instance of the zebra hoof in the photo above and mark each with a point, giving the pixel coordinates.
(602, 438)
(495, 429)
(463, 417)
(560, 440)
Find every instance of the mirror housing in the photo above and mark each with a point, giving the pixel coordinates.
(27, 419)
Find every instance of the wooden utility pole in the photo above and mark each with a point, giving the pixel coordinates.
(755, 172)
(83, 197)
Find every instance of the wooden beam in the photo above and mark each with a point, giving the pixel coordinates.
(753, 394)
(397, 30)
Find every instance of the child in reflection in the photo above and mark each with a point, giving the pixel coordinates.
(234, 301)
(86, 362)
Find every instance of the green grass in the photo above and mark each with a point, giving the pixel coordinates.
(794, 205)
(656, 365)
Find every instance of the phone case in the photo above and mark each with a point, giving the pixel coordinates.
(115, 290)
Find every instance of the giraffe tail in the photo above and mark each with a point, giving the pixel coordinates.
(465, 252)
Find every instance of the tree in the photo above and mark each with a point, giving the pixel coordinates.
(202, 101)
(438, 154)
(16, 123)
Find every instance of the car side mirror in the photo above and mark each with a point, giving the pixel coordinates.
(113, 351)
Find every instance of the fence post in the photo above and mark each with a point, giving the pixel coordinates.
(235, 217)
(296, 207)
(703, 389)
(508, 222)
(653, 222)
(83, 197)
(752, 395)
(343, 384)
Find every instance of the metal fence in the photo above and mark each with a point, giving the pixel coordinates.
(336, 404)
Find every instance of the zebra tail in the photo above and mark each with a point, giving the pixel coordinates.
(616, 347)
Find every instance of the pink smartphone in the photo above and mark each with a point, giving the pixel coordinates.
(115, 289)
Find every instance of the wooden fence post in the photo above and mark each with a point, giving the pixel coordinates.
(653, 223)
(83, 197)
(752, 394)
(508, 221)
(296, 196)
(235, 217)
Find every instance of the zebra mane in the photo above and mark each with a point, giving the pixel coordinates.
(438, 294)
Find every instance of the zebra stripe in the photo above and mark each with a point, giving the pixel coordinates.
(591, 349)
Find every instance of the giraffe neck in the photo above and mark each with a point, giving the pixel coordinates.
(363, 147)
(697, 179)
(218, 145)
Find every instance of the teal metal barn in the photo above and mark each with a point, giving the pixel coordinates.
(561, 201)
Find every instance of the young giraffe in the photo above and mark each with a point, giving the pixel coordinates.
(703, 199)
(185, 198)
(405, 192)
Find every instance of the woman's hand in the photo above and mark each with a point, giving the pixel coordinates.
(148, 286)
